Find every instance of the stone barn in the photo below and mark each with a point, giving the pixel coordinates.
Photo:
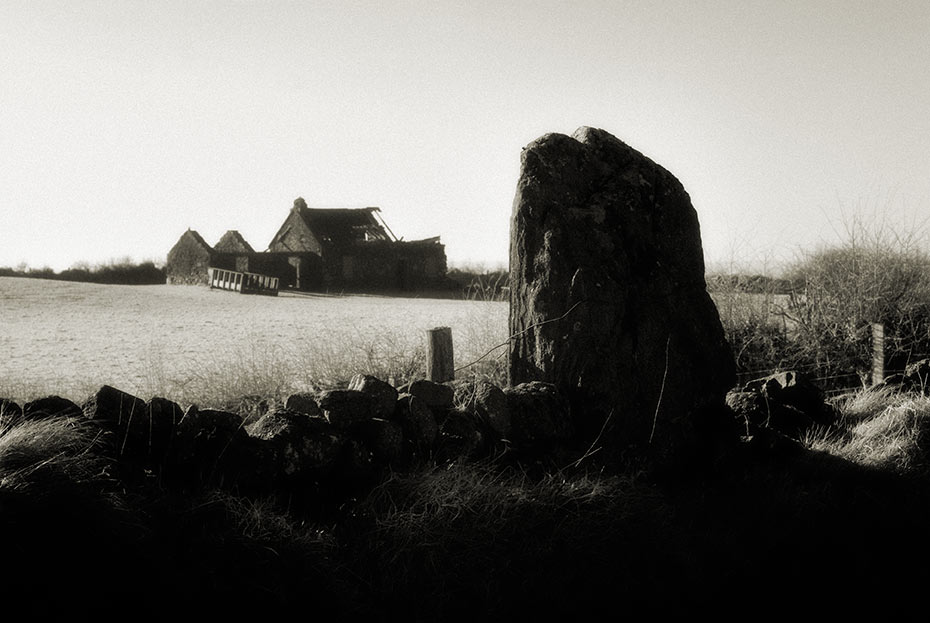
(319, 250)
(189, 259)
(233, 242)
(354, 249)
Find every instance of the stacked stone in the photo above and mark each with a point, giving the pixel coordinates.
(341, 438)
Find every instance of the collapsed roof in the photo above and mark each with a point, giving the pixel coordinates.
(341, 225)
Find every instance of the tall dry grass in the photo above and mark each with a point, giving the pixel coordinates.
(882, 428)
(271, 370)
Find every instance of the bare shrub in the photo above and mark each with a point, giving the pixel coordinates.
(750, 312)
(818, 317)
(878, 275)
(479, 283)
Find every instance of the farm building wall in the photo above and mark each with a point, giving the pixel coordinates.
(295, 236)
(343, 250)
(300, 271)
(188, 260)
(233, 242)
(385, 265)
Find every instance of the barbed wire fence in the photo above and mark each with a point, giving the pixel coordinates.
(865, 372)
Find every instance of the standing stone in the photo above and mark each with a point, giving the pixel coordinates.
(608, 296)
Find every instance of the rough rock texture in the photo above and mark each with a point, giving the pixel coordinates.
(50, 406)
(540, 416)
(305, 447)
(460, 437)
(606, 250)
(302, 403)
(345, 407)
(786, 402)
(356, 466)
(123, 414)
(384, 438)
(163, 416)
(915, 378)
(436, 396)
(417, 422)
(384, 396)
(210, 446)
(491, 407)
(917, 374)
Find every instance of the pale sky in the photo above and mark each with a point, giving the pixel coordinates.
(122, 124)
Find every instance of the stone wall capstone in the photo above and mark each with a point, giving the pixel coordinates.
(608, 297)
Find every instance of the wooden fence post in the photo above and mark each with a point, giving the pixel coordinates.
(439, 361)
(878, 353)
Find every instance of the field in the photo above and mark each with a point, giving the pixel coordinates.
(193, 344)
(824, 523)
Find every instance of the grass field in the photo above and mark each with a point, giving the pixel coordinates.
(191, 343)
(829, 524)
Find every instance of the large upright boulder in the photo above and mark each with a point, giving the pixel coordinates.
(608, 298)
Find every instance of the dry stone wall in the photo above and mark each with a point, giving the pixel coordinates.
(335, 440)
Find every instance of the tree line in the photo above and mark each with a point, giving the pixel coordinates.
(117, 272)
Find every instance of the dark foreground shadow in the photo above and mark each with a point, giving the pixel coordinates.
(755, 531)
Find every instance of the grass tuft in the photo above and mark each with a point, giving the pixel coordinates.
(881, 428)
(33, 452)
(484, 539)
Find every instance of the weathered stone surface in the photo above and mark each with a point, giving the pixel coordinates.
(436, 396)
(163, 417)
(123, 414)
(417, 421)
(460, 436)
(355, 468)
(490, 404)
(345, 407)
(540, 416)
(917, 377)
(50, 406)
(785, 402)
(302, 403)
(385, 439)
(210, 446)
(384, 396)
(608, 293)
(305, 446)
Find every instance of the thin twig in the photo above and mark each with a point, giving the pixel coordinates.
(591, 451)
(516, 335)
(661, 390)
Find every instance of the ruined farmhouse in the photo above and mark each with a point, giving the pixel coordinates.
(318, 250)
